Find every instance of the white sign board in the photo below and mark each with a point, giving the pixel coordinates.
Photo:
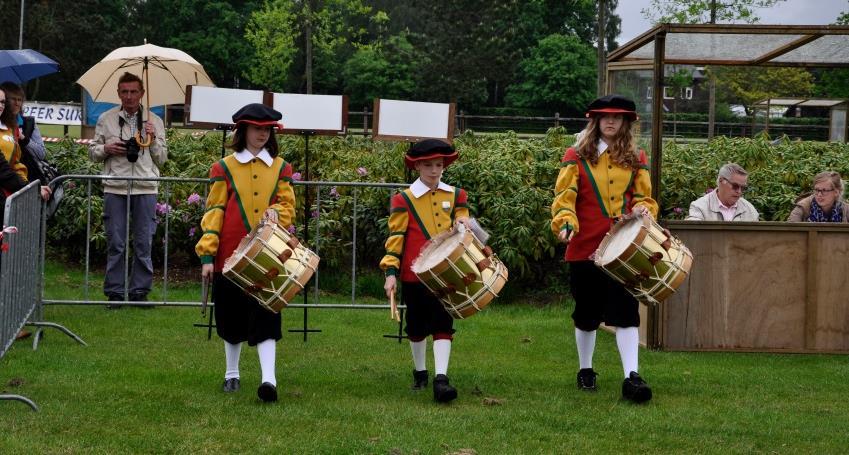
(54, 114)
(317, 113)
(216, 105)
(413, 120)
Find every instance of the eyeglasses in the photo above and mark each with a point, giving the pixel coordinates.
(820, 191)
(736, 186)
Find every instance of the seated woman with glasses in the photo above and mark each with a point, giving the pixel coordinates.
(726, 203)
(825, 205)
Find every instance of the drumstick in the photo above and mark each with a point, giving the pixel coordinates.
(393, 308)
(204, 296)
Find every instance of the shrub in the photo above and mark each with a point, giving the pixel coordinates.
(510, 182)
(778, 173)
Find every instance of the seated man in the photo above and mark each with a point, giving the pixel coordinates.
(726, 203)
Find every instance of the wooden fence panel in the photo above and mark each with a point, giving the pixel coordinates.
(760, 287)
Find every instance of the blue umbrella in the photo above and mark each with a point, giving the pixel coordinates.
(21, 65)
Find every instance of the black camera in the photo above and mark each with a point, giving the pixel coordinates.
(133, 149)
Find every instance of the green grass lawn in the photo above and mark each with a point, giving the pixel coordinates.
(59, 130)
(150, 382)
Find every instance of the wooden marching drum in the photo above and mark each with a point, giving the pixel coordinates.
(639, 254)
(271, 265)
(461, 272)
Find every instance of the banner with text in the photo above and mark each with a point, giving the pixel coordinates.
(54, 114)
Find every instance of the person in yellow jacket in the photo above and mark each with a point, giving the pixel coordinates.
(9, 136)
(602, 178)
(247, 187)
(427, 208)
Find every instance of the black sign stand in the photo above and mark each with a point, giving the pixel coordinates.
(307, 216)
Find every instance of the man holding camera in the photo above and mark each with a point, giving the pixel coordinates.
(116, 144)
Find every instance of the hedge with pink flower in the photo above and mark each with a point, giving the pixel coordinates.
(510, 182)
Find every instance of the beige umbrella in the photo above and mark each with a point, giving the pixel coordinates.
(165, 71)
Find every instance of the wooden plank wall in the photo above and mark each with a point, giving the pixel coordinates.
(766, 287)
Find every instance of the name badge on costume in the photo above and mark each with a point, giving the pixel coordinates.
(446, 206)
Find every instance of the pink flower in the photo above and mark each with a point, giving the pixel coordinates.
(296, 176)
(314, 214)
(678, 210)
(362, 171)
(71, 185)
(193, 198)
(291, 229)
(192, 232)
(334, 193)
(709, 190)
(162, 208)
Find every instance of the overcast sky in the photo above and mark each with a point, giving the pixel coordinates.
(800, 12)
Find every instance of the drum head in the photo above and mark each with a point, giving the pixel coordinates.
(436, 250)
(618, 240)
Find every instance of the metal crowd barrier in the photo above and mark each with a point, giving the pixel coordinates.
(320, 194)
(21, 273)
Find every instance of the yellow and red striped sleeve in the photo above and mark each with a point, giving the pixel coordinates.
(642, 187)
(213, 218)
(398, 220)
(284, 198)
(563, 214)
(461, 206)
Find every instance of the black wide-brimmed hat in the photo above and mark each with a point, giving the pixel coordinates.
(259, 115)
(429, 149)
(613, 104)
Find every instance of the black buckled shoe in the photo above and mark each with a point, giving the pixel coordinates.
(114, 298)
(267, 392)
(586, 379)
(442, 391)
(635, 389)
(140, 297)
(419, 379)
(230, 385)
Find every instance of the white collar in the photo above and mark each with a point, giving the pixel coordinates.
(601, 147)
(3, 126)
(246, 156)
(418, 188)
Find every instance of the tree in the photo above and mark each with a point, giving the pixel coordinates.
(478, 44)
(48, 26)
(450, 42)
(558, 74)
(705, 11)
(834, 82)
(217, 42)
(680, 79)
(380, 71)
(339, 27)
(277, 33)
(748, 85)
(271, 32)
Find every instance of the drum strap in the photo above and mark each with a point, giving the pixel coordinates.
(412, 209)
(454, 204)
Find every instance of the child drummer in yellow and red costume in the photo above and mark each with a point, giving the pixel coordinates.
(427, 208)
(602, 178)
(249, 186)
